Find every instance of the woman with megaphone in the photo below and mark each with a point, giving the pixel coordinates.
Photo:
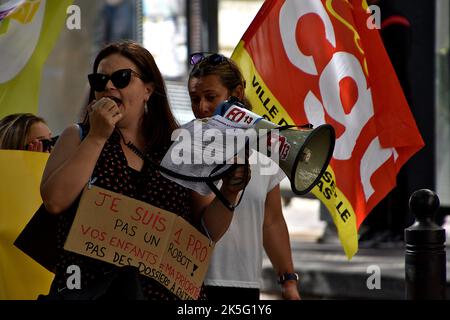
(128, 127)
(236, 265)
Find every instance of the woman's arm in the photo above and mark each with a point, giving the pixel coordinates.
(276, 242)
(216, 217)
(68, 169)
(72, 161)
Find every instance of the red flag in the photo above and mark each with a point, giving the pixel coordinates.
(318, 62)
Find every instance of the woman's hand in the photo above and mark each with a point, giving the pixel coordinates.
(289, 290)
(237, 179)
(103, 116)
(36, 145)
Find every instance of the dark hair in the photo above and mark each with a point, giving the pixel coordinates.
(159, 122)
(228, 72)
(14, 129)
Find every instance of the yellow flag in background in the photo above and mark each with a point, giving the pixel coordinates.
(28, 32)
(20, 276)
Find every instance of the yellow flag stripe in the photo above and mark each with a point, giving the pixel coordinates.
(340, 209)
(263, 101)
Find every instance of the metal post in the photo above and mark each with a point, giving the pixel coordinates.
(202, 18)
(425, 261)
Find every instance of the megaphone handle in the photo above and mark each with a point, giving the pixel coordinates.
(222, 198)
(219, 194)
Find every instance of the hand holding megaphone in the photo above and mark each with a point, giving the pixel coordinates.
(237, 179)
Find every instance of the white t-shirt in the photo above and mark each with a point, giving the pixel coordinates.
(237, 256)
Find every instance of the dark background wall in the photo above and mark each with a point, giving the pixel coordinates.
(408, 33)
(421, 14)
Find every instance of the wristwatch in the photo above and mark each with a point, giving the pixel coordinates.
(287, 276)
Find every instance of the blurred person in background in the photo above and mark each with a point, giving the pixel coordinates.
(21, 277)
(236, 265)
(25, 131)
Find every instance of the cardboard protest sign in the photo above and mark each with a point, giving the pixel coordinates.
(123, 231)
(188, 254)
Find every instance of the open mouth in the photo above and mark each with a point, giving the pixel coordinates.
(116, 100)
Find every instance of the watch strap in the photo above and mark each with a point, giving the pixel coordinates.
(287, 276)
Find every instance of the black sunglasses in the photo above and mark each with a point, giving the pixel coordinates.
(47, 144)
(213, 58)
(120, 79)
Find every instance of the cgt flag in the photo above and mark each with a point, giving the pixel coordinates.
(317, 61)
(28, 31)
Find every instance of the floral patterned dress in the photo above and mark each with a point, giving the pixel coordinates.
(113, 173)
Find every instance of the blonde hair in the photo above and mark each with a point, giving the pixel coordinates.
(14, 129)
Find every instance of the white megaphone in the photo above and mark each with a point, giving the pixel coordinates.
(304, 153)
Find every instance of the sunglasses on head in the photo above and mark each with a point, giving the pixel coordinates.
(120, 79)
(213, 58)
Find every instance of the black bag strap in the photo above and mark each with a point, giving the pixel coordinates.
(84, 129)
(220, 195)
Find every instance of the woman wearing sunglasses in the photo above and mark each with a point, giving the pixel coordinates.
(25, 131)
(129, 122)
(236, 265)
(20, 131)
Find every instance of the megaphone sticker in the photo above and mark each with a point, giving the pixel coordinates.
(304, 154)
(242, 116)
(284, 145)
